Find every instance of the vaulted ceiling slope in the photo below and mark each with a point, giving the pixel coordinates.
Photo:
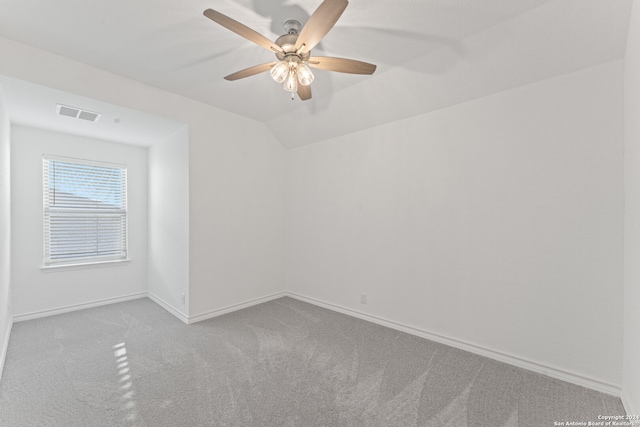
(430, 53)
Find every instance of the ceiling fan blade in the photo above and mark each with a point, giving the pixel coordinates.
(242, 30)
(341, 65)
(319, 24)
(247, 72)
(304, 92)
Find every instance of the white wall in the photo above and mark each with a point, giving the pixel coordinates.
(236, 242)
(236, 190)
(6, 312)
(37, 290)
(168, 245)
(497, 222)
(631, 375)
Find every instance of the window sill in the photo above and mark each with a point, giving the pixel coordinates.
(84, 265)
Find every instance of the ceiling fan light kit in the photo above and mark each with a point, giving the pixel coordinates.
(291, 83)
(305, 76)
(289, 71)
(293, 50)
(280, 71)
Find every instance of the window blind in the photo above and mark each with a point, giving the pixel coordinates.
(85, 211)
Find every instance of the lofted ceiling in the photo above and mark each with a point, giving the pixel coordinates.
(430, 53)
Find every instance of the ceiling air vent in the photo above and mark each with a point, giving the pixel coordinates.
(65, 110)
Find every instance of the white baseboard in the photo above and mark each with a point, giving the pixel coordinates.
(628, 407)
(75, 307)
(234, 307)
(553, 372)
(560, 374)
(171, 309)
(5, 346)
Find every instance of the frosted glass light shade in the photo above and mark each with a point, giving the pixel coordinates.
(280, 71)
(291, 82)
(305, 76)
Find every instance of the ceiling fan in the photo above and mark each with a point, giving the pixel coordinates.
(293, 50)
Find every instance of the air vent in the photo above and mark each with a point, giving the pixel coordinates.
(65, 110)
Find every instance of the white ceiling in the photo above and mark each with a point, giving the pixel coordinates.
(34, 105)
(430, 53)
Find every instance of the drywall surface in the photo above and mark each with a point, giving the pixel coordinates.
(37, 290)
(631, 373)
(497, 222)
(236, 191)
(236, 182)
(168, 246)
(6, 313)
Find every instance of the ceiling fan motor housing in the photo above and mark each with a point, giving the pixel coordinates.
(288, 44)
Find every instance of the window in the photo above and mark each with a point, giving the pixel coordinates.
(85, 211)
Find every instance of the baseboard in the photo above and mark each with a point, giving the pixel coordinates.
(5, 346)
(234, 307)
(553, 372)
(162, 303)
(628, 407)
(75, 307)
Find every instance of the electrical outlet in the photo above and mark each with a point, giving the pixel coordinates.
(184, 299)
(363, 298)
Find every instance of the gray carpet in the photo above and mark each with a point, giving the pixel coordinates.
(281, 363)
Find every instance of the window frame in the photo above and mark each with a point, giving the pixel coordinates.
(47, 211)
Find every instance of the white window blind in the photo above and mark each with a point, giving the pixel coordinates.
(85, 211)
